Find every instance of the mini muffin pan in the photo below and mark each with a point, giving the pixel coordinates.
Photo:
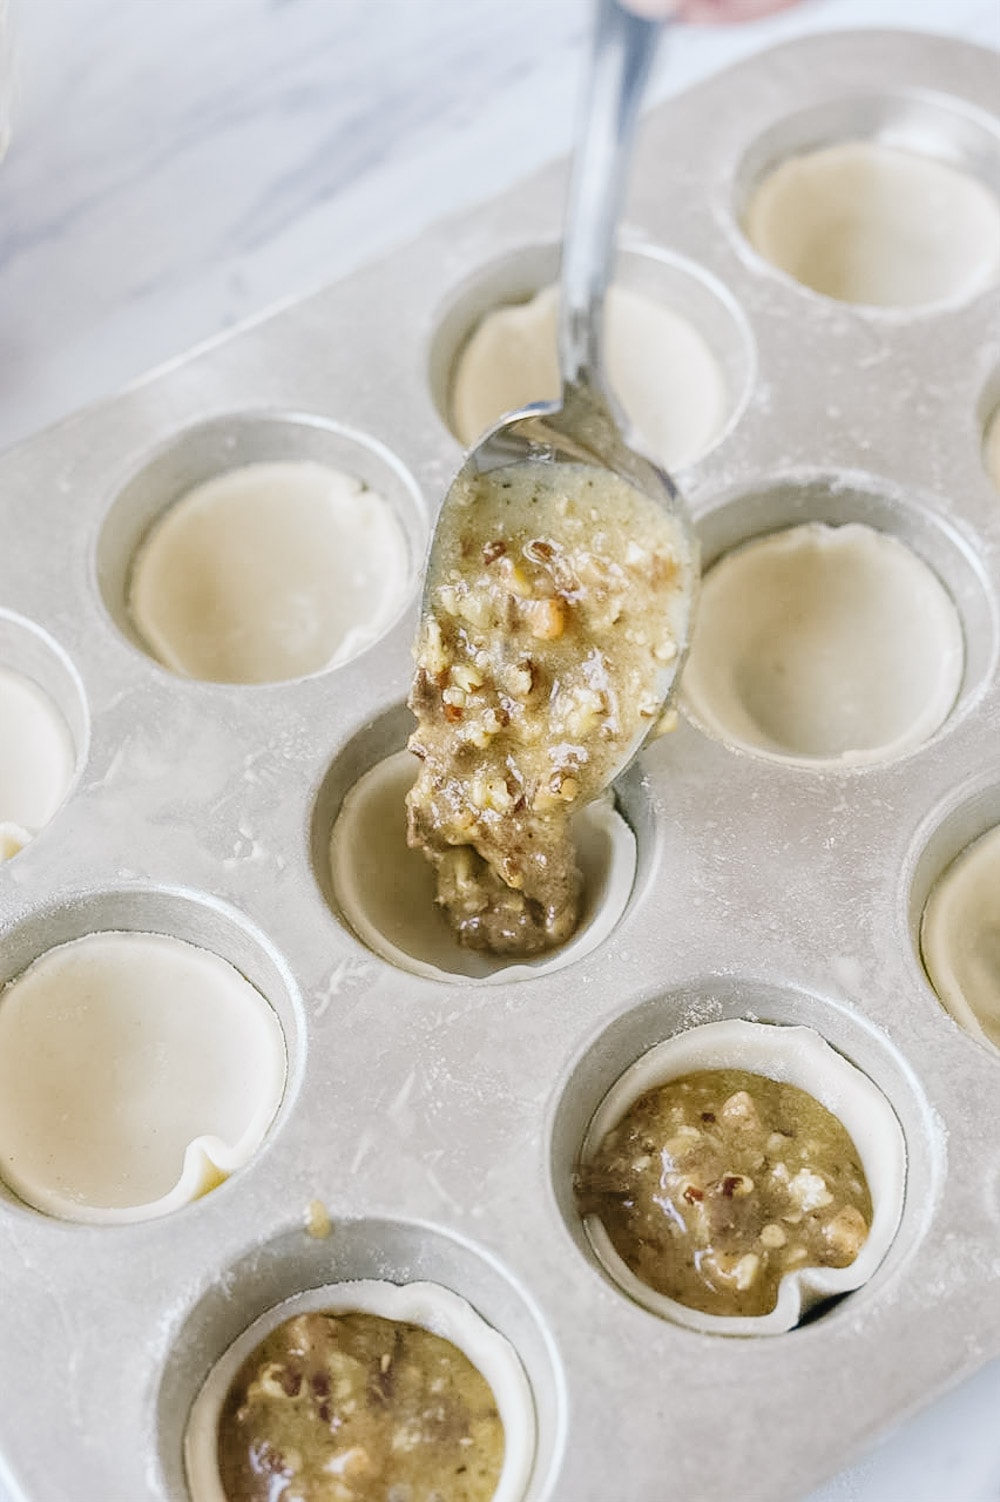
(430, 1124)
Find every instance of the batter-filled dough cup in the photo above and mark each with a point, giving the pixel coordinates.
(137, 1071)
(960, 937)
(37, 760)
(796, 1056)
(425, 1304)
(666, 376)
(823, 643)
(872, 224)
(385, 890)
(268, 572)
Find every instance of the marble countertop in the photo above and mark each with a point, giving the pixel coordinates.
(175, 169)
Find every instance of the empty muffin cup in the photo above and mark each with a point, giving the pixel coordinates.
(268, 572)
(399, 1387)
(662, 369)
(960, 937)
(821, 643)
(868, 223)
(850, 1152)
(385, 890)
(37, 761)
(137, 1071)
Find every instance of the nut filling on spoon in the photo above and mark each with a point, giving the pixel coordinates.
(560, 600)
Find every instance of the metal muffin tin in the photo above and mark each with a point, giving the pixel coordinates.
(438, 1123)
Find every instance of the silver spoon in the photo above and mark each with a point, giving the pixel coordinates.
(582, 428)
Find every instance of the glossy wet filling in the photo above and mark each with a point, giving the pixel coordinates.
(357, 1408)
(539, 662)
(714, 1186)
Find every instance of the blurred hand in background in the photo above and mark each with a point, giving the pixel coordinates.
(705, 10)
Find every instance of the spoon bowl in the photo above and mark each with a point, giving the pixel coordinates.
(580, 429)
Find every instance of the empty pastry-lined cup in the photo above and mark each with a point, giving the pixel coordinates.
(37, 760)
(871, 223)
(43, 730)
(271, 571)
(740, 1174)
(449, 1405)
(679, 353)
(386, 891)
(960, 937)
(824, 643)
(137, 1071)
(257, 549)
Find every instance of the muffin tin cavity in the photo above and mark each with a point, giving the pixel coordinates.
(680, 355)
(793, 1054)
(882, 201)
(824, 642)
(137, 1071)
(846, 640)
(955, 912)
(385, 891)
(42, 731)
(399, 1270)
(261, 549)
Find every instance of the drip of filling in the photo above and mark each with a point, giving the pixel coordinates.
(356, 1408)
(714, 1186)
(540, 657)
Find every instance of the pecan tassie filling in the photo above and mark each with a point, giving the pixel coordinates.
(714, 1186)
(357, 1408)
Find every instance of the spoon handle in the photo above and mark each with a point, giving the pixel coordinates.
(621, 56)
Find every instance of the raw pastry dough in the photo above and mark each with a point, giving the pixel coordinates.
(269, 572)
(36, 761)
(136, 1072)
(824, 642)
(960, 937)
(386, 890)
(666, 377)
(868, 223)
